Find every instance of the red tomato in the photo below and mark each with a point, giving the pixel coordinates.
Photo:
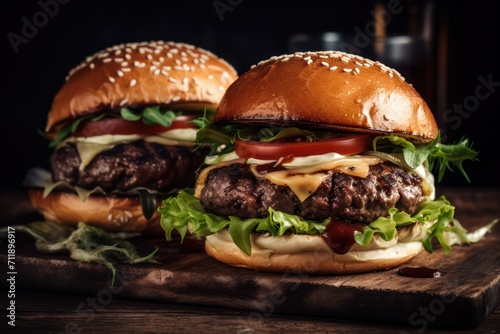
(344, 144)
(119, 126)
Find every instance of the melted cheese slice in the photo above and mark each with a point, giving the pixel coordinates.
(304, 181)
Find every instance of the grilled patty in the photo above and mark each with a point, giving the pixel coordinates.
(128, 166)
(233, 190)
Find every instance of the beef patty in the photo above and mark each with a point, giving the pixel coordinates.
(233, 190)
(130, 165)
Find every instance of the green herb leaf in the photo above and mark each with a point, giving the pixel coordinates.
(439, 156)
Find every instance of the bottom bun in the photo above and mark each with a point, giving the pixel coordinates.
(111, 213)
(311, 254)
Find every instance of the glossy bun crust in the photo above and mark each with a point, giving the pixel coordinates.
(328, 89)
(111, 213)
(135, 74)
(310, 254)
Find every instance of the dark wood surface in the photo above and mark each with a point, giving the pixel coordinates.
(190, 292)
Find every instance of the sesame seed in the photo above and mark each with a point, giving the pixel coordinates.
(92, 65)
(123, 102)
(309, 61)
(133, 82)
(176, 98)
(111, 79)
(156, 72)
(356, 70)
(125, 69)
(324, 63)
(106, 60)
(172, 79)
(210, 91)
(123, 64)
(120, 73)
(358, 100)
(333, 68)
(347, 70)
(210, 76)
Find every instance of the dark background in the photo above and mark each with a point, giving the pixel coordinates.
(463, 50)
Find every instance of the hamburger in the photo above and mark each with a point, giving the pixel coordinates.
(321, 162)
(122, 135)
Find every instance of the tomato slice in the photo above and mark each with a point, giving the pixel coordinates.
(119, 126)
(344, 144)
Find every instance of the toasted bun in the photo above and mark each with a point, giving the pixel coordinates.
(312, 255)
(111, 213)
(328, 89)
(158, 72)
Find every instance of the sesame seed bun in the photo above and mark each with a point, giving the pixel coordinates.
(310, 253)
(135, 74)
(328, 89)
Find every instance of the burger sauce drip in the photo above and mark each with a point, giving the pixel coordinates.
(420, 272)
(339, 235)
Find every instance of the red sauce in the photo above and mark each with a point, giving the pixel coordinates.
(339, 235)
(420, 272)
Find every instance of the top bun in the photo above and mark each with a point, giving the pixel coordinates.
(329, 89)
(147, 73)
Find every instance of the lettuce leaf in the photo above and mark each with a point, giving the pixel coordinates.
(184, 213)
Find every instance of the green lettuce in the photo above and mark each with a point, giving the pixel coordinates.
(184, 213)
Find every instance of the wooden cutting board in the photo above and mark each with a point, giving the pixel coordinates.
(463, 297)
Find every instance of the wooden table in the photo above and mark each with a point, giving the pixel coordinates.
(40, 309)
